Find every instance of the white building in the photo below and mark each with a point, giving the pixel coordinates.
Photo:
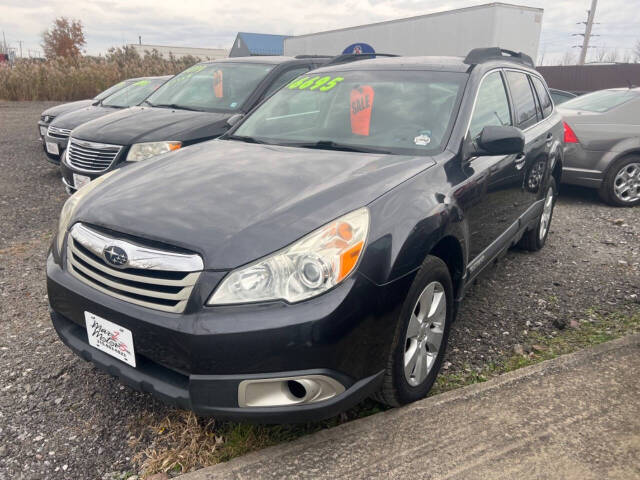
(179, 52)
(452, 32)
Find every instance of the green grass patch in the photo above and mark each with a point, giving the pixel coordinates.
(594, 328)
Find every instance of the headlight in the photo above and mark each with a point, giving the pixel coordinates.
(306, 268)
(71, 204)
(142, 151)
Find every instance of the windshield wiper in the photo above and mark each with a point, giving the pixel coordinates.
(331, 145)
(148, 103)
(175, 106)
(247, 139)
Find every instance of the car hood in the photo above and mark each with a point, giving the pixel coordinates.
(67, 107)
(147, 124)
(234, 202)
(75, 118)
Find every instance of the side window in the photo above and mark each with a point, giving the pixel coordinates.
(523, 99)
(543, 95)
(492, 105)
(284, 78)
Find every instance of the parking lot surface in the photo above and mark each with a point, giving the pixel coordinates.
(61, 418)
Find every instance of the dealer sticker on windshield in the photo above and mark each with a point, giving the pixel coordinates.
(113, 339)
(318, 84)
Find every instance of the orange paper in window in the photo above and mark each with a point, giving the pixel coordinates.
(361, 106)
(217, 84)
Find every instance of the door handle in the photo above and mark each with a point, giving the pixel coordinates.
(521, 159)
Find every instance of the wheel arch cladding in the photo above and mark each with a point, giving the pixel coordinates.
(449, 250)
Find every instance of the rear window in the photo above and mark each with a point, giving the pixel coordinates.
(601, 101)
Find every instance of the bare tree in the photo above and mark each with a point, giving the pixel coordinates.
(599, 55)
(611, 56)
(65, 38)
(569, 58)
(636, 51)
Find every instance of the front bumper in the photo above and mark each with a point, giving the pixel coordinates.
(41, 133)
(197, 359)
(62, 145)
(67, 174)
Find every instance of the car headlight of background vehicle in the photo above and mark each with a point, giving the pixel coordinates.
(304, 269)
(142, 151)
(71, 204)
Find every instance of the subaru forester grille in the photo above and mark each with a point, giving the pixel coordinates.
(90, 156)
(157, 279)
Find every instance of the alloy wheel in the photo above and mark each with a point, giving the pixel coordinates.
(547, 210)
(424, 335)
(626, 185)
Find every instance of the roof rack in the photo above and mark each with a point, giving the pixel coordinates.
(352, 57)
(481, 55)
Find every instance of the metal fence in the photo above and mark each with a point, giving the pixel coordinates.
(587, 78)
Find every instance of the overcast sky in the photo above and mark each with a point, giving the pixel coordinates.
(214, 23)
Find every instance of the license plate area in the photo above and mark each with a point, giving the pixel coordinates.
(52, 148)
(110, 338)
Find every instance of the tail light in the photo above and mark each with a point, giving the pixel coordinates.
(569, 134)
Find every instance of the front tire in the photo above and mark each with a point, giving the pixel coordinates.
(421, 336)
(534, 239)
(621, 185)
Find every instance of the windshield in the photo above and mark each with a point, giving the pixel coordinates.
(601, 101)
(404, 112)
(134, 94)
(111, 90)
(219, 87)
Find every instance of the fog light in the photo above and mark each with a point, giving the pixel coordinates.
(278, 392)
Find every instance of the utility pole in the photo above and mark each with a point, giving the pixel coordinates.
(587, 32)
(20, 43)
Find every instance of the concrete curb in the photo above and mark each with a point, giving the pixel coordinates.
(358, 427)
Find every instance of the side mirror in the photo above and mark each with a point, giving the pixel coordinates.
(234, 119)
(496, 140)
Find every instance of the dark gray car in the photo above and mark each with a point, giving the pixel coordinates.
(602, 144)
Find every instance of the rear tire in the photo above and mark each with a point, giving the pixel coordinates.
(421, 336)
(612, 190)
(534, 239)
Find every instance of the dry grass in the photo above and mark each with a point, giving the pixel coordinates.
(83, 77)
(181, 442)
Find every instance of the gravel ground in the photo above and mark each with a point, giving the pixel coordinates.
(61, 418)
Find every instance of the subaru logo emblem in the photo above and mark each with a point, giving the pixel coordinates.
(115, 256)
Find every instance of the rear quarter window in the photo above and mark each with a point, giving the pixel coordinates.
(523, 100)
(543, 96)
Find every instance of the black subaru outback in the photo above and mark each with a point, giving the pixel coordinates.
(192, 107)
(316, 254)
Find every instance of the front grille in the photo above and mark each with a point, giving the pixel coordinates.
(152, 278)
(56, 132)
(91, 157)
